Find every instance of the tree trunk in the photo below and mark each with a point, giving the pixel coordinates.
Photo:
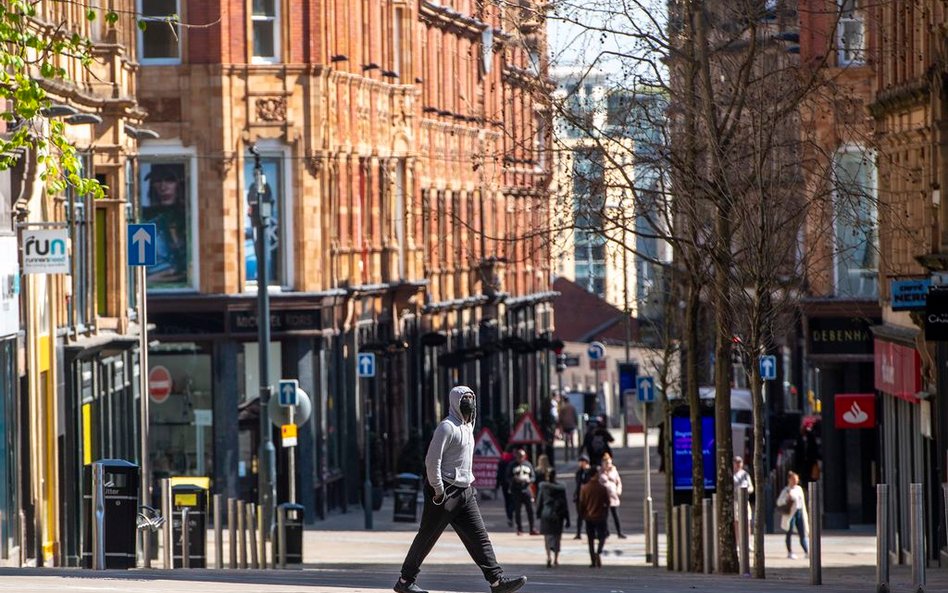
(694, 407)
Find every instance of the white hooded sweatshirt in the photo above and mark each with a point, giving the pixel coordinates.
(451, 451)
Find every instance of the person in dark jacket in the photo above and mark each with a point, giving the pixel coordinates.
(594, 505)
(522, 476)
(582, 476)
(596, 443)
(554, 514)
(503, 482)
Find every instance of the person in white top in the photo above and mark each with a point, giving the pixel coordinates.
(792, 504)
(741, 478)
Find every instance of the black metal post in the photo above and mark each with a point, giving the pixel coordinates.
(262, 210)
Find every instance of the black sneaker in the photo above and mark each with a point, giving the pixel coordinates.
(403, 587)
(508, 585)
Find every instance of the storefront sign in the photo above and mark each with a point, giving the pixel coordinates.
(9, 288)
(897, 370)
(280, 321)
(909, 295)
(936, 314)
(840, 335)
(44, 252)
(855, 410)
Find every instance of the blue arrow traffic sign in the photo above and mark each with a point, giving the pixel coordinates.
(366, 364)
(287, 392)
(768, 367)
(645, 389)
(596, 351)
(142, 239)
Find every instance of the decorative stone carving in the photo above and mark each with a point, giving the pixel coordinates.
(271, 108)
(224, 164)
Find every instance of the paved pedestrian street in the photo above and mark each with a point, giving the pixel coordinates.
(342, 556)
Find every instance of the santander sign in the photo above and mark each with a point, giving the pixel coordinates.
(855, 410)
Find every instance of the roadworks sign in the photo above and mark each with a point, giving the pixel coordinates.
(527, 431)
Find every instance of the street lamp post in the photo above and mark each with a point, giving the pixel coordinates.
(262, 203)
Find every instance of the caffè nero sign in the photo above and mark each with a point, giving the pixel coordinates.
(44, 252)
(840, 335)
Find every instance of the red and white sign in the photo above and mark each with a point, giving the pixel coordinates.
(898, 370)
(159, 384)
(486, 457)
(527, 431)
(597, 364)
(855, 410)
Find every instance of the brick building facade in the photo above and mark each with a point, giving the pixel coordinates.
(402, 142)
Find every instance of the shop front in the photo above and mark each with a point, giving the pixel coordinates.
(906, 435)
(839, 354)
(204, 386)
(9, 400)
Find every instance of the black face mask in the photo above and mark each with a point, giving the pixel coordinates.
(466, 406)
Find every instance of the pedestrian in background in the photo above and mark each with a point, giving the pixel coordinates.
(594, 506)
(449, 499)
(568, 424)
(503, 482)
(553, 511)
(609, 476)
(543, 468)
(596, 442)
(741, 478)
(522, 476)
(792, 506)
(582, 476)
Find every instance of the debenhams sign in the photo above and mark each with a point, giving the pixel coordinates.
(840, 335)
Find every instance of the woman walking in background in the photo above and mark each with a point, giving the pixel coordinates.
(609, 476)
(792, 506)
(543, 468)
(554, 515)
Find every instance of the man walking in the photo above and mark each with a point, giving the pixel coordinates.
(449, 500)
(522, 476)
(594, 505)
(582, 476)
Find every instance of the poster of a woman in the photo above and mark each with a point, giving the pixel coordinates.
(165, 203)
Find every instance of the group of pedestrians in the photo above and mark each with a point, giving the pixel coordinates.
(598, 494)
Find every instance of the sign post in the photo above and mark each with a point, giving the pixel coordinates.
(141, 253)
(645, 393)
(288, 399)
(597, 353)
(365, 369)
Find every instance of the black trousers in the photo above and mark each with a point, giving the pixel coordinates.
(522, 498)
(596, 530)
(461, 512)
(579, 519)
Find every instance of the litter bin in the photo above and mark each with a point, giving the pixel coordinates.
(293, 525)
(119, 512)
(193, 498)
(406, 498)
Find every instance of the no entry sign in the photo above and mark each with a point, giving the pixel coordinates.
(159, 384)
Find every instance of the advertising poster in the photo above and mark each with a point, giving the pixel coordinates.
(165, 202)
(681, 452)
(9, 288)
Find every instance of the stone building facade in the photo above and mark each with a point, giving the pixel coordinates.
(69, 356)
(402, 143)
(910, 116)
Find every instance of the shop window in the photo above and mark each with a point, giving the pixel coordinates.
(160, 41)
(265, 24)
(850, 34)
(249, 380)
(181, 439)
(855, 225)
(166, 200)
(82, 272)
(101, 261)
(275, 233)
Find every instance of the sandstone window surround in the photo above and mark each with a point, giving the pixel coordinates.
(265, 24)
(850, 34)
(276, 160)
(855, 223)
(159, 44)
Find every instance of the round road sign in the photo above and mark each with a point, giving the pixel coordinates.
(596, 351)
(159, 384)
(280, 415)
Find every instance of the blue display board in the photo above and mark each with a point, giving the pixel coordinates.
(681, 452)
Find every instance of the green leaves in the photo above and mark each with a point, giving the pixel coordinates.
(28, 59)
